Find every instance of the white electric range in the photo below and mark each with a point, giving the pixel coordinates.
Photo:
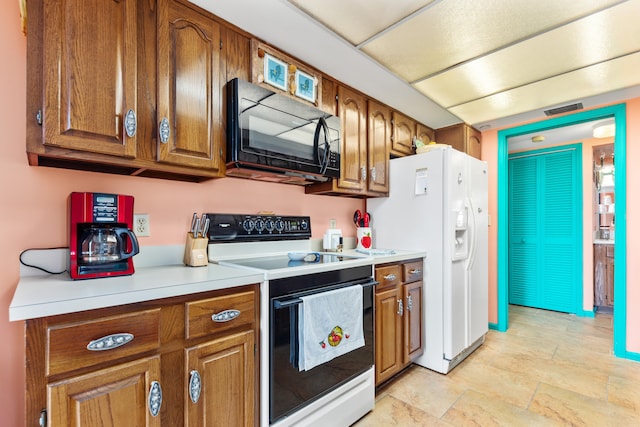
(343, 389)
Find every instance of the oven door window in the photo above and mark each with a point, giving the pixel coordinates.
(291, 389)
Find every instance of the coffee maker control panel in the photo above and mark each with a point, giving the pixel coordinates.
(105, 208)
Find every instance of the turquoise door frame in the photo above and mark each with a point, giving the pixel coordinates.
(619, 113)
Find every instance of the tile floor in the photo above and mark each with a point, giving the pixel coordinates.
(548, 369)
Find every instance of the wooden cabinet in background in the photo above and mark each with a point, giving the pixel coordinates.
(462, 137)
(188, 109)
(603, 274)
(165, 362)
(398, 324)
(404, 135)
(425, 133)
(379, 137)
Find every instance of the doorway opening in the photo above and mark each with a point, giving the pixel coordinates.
(618, 113)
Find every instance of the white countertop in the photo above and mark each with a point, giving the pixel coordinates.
(40, 295)
(604, 242)
(158, 275)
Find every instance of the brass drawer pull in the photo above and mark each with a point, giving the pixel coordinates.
(110, 342)
(225, 316)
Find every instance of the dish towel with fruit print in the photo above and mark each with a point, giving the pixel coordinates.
(329, 325)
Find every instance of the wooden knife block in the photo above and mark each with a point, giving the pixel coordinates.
(195, 251)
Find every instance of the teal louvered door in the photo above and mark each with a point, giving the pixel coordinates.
(545, 206)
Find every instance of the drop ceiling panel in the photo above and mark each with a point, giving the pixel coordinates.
(598, 79)
(357, 20)
(567, 48)
(451, 32)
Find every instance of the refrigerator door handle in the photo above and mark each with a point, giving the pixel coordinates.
(472, 229)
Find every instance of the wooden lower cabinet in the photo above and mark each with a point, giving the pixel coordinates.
(156, 363)
(603, 275)
(398, 327)
(115, 396)
(225, 372)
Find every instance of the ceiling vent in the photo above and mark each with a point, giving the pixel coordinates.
(564, 109)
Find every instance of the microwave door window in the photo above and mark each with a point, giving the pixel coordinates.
(269, 131)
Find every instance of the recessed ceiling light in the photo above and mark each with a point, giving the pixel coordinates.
(604, 129)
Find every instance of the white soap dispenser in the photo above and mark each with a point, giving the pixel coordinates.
(332, 237)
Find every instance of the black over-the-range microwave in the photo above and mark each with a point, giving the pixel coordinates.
(273, 137)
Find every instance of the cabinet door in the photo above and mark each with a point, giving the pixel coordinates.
(226, 370)
(404, 132)
(412, 321)
(353, 157)
(379, 140)
(473, 142)
(118, 396)
(424, 133)
(90, 75)
(189, 128)
(388, 333)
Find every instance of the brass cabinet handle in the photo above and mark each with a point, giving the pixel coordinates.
(110, 342)
(225, 316)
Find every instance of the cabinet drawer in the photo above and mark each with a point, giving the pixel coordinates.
(229, 311)
(68, 344)
(412, 271)
(390, 275)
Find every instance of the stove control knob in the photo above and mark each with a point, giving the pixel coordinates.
(269, 225)
(259, 225)
(248, 225)
(304, 224)
(279, 225)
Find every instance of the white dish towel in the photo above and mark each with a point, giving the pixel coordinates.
(329, 325)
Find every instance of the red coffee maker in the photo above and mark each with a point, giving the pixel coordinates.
(101, 243)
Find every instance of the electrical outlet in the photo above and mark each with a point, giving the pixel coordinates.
(141, 225)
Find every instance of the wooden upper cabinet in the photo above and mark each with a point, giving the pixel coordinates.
(352, 107)
(404, 133)
(329, 94)
(424, 133)
(89, 75)
(379, 138)
(462, 137)
(189, 127)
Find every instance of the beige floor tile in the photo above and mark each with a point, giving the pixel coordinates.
(624, 392)
(427, 390)
(548, 369)
(476, 409)
(575, 409)
(390, 411)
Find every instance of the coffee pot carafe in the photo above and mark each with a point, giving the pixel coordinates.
(107, 244)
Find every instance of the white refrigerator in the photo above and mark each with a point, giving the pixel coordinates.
(438, 204)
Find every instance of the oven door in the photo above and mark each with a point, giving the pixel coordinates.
(290, 389)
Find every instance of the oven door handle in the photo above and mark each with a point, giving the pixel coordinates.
(287, 303)
(277, 304)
